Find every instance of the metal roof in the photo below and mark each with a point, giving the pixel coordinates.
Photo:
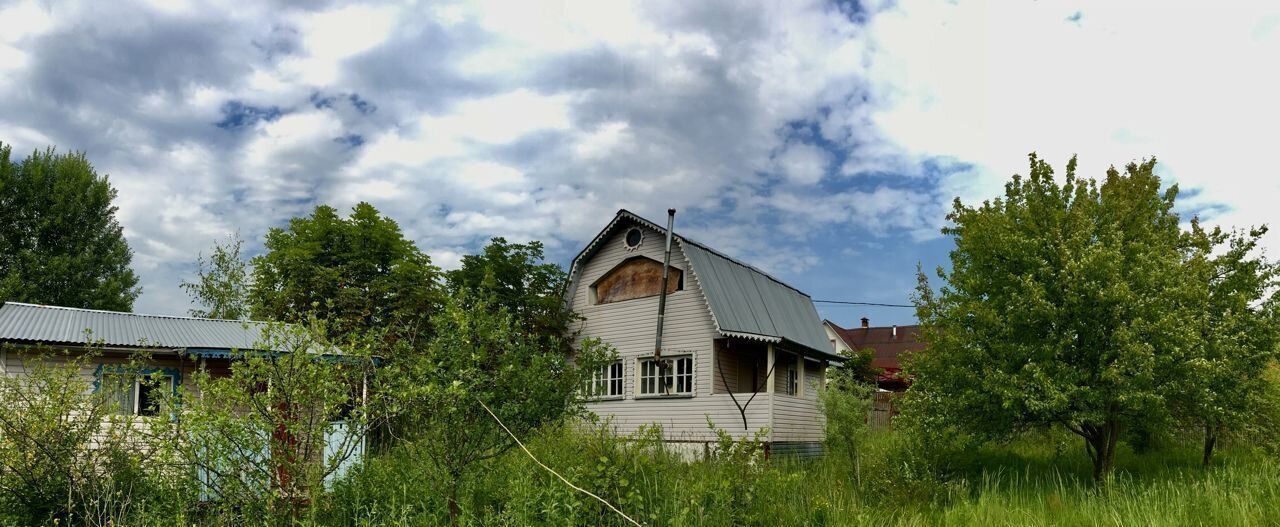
(64, 325)
(744, 301)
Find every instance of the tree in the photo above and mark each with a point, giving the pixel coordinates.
(267, 436)
(359, 273)
(60, 242)
(222, 282)
(1065, 305)
(518, 279)
(1223, 387)
(480, 357)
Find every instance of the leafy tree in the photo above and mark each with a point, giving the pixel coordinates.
(222, 282)
(358, 272)
(65, 457)
(1224, 387)
(265, 437)
(1065, 305)
(60, 242)
(518, 279)
(481, 357)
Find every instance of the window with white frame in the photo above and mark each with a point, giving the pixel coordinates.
(606, 382)
(671, 376)
(135, 393)
(793, 381)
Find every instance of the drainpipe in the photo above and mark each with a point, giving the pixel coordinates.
(662, 297)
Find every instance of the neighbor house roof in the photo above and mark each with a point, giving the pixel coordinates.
(744, 301)
(31, 323)
(887, 348)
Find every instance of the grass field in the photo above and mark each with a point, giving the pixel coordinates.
(1040, 480)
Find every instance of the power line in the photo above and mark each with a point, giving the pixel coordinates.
(861, 303)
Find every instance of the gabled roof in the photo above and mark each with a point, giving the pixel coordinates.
(744, 302)
(33, 323)
(887, 348)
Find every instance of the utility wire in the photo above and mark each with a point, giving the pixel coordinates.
(861, 303)
(548, 469)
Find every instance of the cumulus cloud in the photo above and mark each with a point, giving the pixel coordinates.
(781, 130)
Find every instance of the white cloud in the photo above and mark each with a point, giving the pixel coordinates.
(803, 164)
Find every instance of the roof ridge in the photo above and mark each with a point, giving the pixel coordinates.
(125, 313)
(707, 248)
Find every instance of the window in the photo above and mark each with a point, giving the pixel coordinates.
(135, 393)
(634, 237)
(606, 382)
(793, 381)
(672, 376)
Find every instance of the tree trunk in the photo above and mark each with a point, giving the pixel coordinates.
(1100, 443)
(454, 510)
(1210, 439)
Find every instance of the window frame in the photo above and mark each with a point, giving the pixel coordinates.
(605, 377)
(137, 376)
(674, 373)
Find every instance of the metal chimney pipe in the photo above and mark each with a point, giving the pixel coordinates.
(662, 296)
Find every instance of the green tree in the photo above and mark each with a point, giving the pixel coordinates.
(60, 242)
(359, 273)
(518, 279)
(481, 357)
(1065, 305)
(1224, 387)
(222, 282)
(266, 437)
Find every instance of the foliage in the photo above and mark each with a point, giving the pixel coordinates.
(60, 242)
(517, 278)
(222, 282)
(65, 456)
(480, 357)
(359, 273)
(855, 373)
(1065, 305)
(265, 437)
(845, 404)
(1223, 389)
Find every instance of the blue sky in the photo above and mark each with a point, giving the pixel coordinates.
(820, 141)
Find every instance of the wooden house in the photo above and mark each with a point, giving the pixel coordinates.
(741, 348)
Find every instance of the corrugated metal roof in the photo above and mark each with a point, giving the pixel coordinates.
(744, 301)
(64, 325)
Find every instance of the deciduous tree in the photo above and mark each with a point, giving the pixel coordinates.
(359, 273)
(1066, 304)
(60, 242)
(222, 282)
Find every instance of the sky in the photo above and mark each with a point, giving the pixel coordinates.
(821, 141)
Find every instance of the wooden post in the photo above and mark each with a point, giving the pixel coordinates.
(769, 368)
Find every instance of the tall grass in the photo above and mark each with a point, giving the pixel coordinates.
(1033, 481)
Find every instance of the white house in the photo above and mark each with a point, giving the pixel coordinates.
(740, 347)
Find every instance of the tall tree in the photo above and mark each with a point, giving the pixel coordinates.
(222, 282)
(60, 242)
(358, 273)
(517, 278)
(1065, 305)
(1223, 387)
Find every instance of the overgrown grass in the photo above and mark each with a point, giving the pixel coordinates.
(1040, 480)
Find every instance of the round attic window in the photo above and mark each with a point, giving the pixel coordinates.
(633, 238)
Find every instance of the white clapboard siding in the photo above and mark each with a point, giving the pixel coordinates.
(800, 418)
(630, 327)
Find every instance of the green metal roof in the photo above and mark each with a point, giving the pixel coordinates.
(33, 323)
(745, 302)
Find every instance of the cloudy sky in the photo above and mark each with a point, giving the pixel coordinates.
(820, 141)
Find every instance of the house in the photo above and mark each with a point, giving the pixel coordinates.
(174, 347)
(888, 344)
(740, 348)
